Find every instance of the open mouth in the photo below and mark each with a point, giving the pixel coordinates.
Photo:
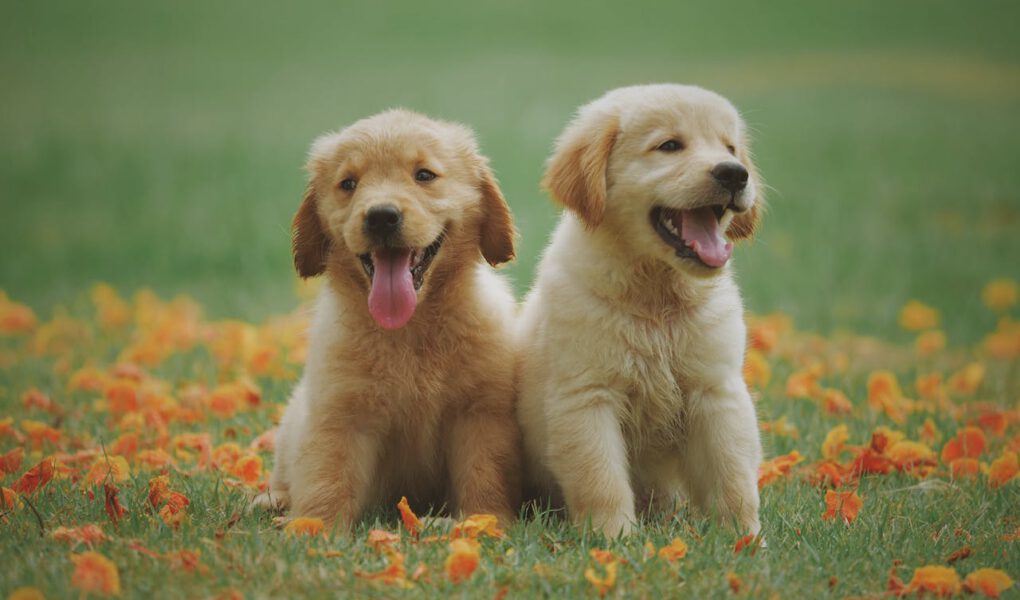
(397, 274)
(694, 234)
(420, 260)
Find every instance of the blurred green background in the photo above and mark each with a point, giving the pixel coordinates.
(161, 144)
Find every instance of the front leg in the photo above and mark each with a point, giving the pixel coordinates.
(332, 474)
(723, 452)
(484, 456)
(588, 457)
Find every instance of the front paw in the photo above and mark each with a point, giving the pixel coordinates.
(275, 501)
(613, 525)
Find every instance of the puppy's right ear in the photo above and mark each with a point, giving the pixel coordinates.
(576, 173)
(310, 242)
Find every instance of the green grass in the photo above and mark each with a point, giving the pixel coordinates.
(161, 146)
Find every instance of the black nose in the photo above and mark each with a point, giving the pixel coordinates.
(730, 175)
(383, 220)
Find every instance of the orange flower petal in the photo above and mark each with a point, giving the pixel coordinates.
(845, 504)
(939, 580)
(94, 573)
(915, 316)
(107, 468)
(1000, 294)
(26, 593)
(411, 521)
(835, 402)
(990, 582)
(906, 454)
(834, 442)
(11, 461)
(476, 526)
(676, 550)
(1003, 469)
(602, 584)
(969, 442)
(463, 559)
(36, 477)
(378, 539)
(305, 526)
(777, 467)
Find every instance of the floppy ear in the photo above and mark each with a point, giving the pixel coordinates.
(497, 231)
(310, 242)
(745, 224)
(576, 173)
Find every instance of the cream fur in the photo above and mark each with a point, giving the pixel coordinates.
(630, 362)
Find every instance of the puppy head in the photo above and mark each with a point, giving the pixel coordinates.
(394, 199)
(667, 167)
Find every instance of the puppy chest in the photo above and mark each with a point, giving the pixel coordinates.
(659, 371)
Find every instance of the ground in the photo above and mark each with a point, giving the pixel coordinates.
(161, 148)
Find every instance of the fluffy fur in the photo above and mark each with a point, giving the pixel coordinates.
(425, 410)
(631, 354)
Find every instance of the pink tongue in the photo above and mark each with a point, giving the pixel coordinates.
(392, 299)
(700, 230)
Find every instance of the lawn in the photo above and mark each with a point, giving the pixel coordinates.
(160, 148)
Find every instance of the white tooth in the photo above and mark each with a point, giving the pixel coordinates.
(668, 224)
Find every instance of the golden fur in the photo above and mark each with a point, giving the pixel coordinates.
(425, 410)
(630, 382)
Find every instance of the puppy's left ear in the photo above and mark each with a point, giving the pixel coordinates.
(745, 224)
(497, 234)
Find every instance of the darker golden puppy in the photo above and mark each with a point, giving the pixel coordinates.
(408, 387)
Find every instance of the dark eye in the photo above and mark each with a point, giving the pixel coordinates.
(349, 184)
(671, 146)
(731, 148)
(424, 175)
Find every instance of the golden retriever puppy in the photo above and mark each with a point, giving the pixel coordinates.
(632, 337)
(408, 386)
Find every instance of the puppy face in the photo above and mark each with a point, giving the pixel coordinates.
(393, 199)
(667, 167)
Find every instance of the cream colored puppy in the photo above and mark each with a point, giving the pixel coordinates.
(632, 338)
(408, 386)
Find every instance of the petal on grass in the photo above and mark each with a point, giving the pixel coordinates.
(11, 461)
(94, 573)
(1000, 294)
(990, 582)
(934, 579)
(844, 504)
(967, 380)
(917, 316)
(462, 560)
(834, 442)
(394, 574)
(36, 477)
(379, 539)
(676, 550)
(969, 442)
(777, 467)
(478, 526)
(107, 468)
(602, 583)
(26, 593)
(411, 521)
(1003, 469)
(309, 526)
